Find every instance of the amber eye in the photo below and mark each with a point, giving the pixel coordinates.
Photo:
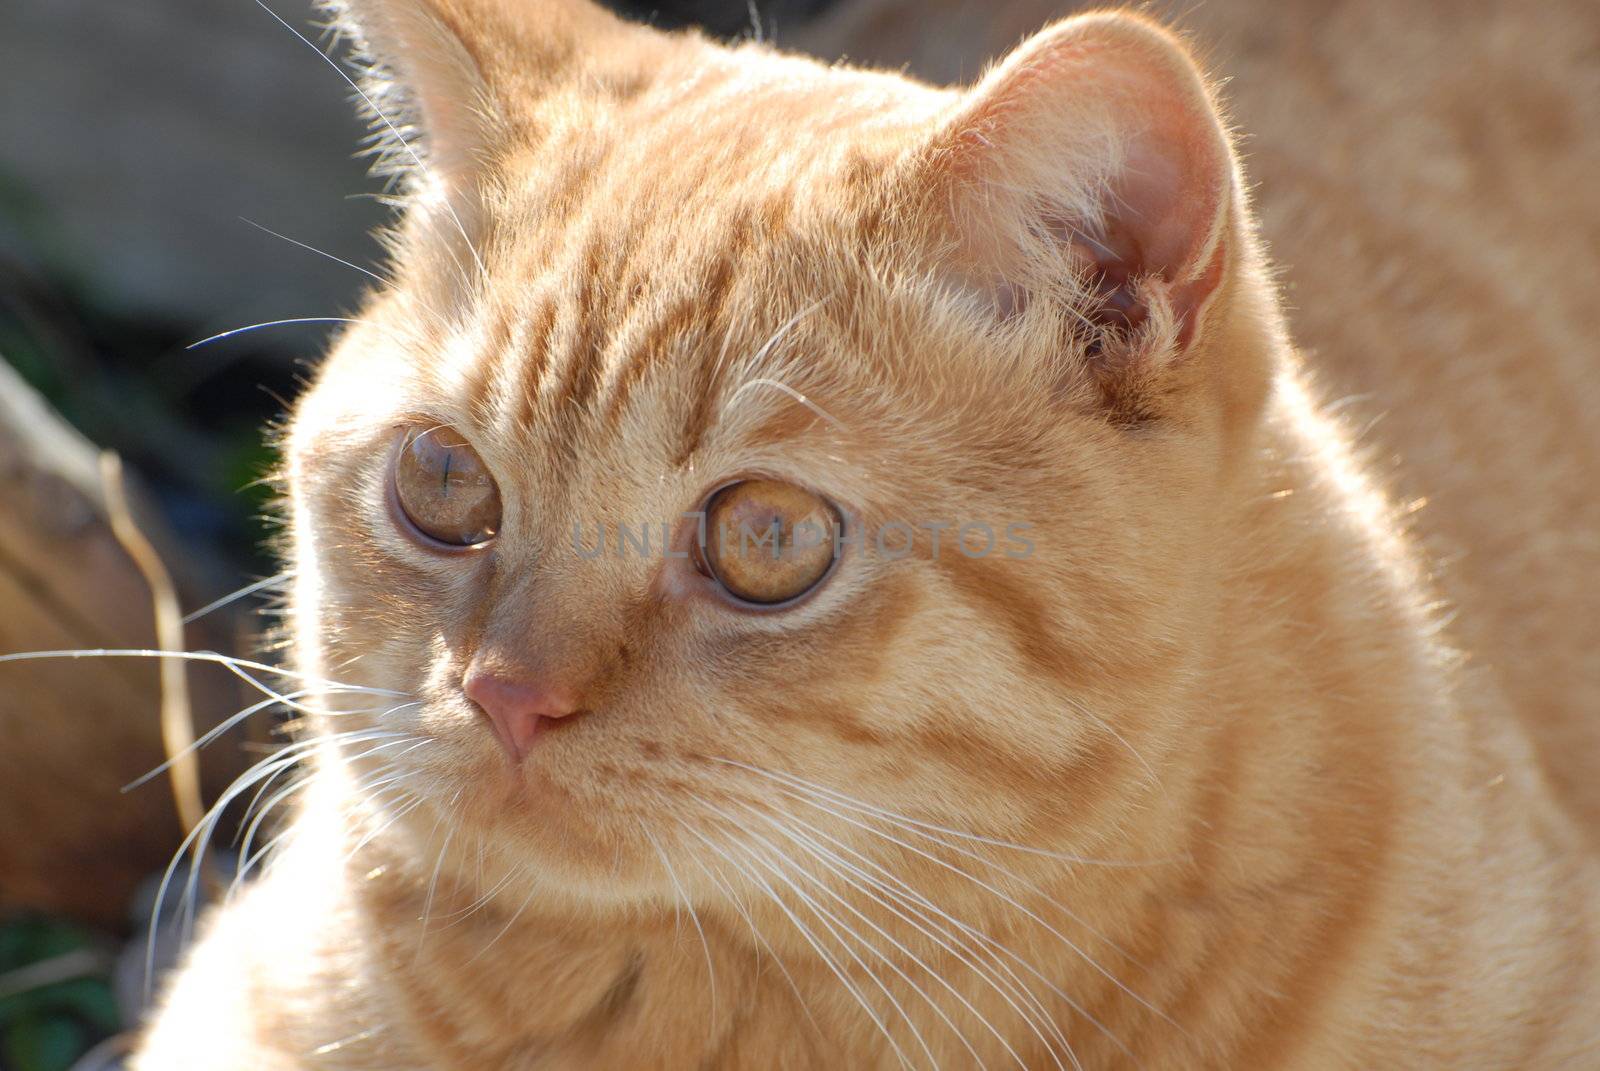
(768, 542)
(444, 489)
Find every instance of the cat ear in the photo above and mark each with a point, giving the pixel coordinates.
(1092, 165)
(444, 76)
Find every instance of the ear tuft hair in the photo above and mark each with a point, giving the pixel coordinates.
(444, 80)
(420, 89)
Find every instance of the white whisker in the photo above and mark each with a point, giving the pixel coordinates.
(760, 355)
(861, 805)
(811, 940)
(383, 282)
(374, 834)
(457, 917)
(198, 656)
(711, 971)
(194, 842)
(382, 777)
(841, 868)
(219, 336)
(433, 881)
(273, 700)
(902, 949)
(533, 888)
(834, 925)
(903, 893)
(247, 590)
(1014, 903)
(374, 276)
(755, 932)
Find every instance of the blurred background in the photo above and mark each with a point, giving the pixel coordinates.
(136, 140)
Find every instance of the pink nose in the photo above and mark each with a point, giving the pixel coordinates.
(517, 710)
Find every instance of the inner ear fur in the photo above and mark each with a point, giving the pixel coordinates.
(1091, 167)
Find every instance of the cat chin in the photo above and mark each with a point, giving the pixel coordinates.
(576, 846)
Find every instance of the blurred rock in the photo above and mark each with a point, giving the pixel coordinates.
(133, 136)
(73, 732)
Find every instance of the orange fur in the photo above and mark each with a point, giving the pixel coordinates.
(1240, 802)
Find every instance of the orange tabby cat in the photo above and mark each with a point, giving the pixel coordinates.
(1429, 195)
(811, 570)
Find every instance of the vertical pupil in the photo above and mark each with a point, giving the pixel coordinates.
(445, 490)
(770, 541)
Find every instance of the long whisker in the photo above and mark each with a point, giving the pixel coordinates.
(247, 590)
(385, 283)
(760, 355)
(834, 925)
(274, 700)
(533, 889)
(903, 893)
(457, 917)
(861, 805)
(271, 323)
(221, 727)
(214, 816)
(810, 939)
(295, 705)
(200, 656)
(374, 276)
(255, 815)
(433, 882)
(840, 868)
(755, 932)
(705, 946)
(898, 946)
(266, 768)
(1013, 902)
(368, 788)
(919, 829)
(374, 834)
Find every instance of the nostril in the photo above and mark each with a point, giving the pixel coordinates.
(518, 709)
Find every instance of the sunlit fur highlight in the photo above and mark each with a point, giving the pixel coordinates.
(1194, 785)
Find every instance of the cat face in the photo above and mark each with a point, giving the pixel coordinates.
(731, 444)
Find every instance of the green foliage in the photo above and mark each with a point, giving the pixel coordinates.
(46, 1027)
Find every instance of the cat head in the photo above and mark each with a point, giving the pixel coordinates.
(745, 447)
